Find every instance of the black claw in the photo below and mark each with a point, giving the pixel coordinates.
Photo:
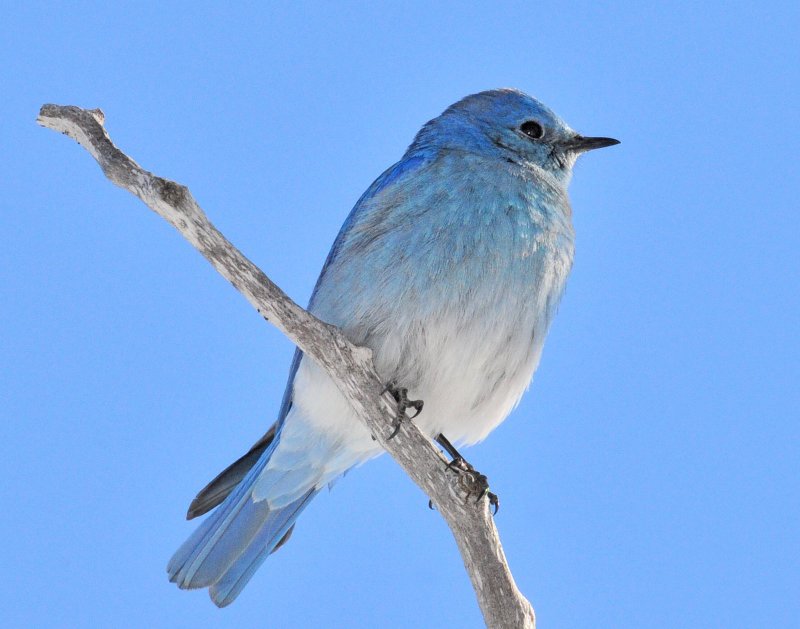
(430, 505)
(474, 483)
(494, 501)
(397, 423)
(401, 399)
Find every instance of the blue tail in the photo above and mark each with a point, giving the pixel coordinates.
(228, 547)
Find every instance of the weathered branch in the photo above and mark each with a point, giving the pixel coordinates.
(350, 367)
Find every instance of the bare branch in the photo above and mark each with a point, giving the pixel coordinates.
(350, 367)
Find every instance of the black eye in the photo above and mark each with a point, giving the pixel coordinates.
(532, 129)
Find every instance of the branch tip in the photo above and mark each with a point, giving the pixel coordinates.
(98, 115)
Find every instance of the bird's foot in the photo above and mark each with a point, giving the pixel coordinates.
(472, 481)
(402, 402)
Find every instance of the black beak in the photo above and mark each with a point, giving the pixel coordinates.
(580, 144)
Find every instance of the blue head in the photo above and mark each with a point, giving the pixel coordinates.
(509, 125)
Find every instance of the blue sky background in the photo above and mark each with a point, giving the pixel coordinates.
(650, 476)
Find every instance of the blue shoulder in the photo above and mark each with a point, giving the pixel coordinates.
(392, 176)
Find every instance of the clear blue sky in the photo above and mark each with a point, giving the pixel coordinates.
(650, 476)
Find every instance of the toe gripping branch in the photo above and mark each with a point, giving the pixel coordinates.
(473, 482)
(402, 404)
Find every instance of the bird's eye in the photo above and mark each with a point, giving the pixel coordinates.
(532, 129)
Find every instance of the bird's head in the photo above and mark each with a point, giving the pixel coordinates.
(512, 126)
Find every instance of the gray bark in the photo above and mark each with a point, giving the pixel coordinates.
(351, 367)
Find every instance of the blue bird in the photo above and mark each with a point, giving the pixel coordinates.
(450, 268)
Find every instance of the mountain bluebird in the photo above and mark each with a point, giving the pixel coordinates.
(450, 268)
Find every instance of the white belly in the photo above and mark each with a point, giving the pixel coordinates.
(469, 363)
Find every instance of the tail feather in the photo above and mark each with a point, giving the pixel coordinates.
(226, 481)
(255, 518)
(185, 564)
(232, 582)
(229, 540)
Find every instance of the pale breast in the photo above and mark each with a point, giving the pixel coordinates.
(470, 352)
